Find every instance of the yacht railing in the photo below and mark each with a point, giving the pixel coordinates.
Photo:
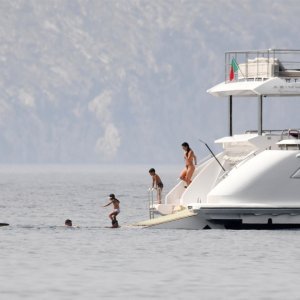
(151, 203)
(267, 131)
(261, 65)
(250, 155)
(294, 133)
(283, 133)
(153, 198)
(237, 165)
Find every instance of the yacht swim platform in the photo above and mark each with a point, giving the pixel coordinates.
(167, 220)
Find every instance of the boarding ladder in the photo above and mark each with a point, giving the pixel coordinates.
(151, 203)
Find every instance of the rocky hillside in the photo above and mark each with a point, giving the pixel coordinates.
(86, 81)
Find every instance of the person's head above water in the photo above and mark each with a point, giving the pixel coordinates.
(112, 196)
(68, 222)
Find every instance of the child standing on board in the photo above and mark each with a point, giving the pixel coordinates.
(113, 215)
(156, 184)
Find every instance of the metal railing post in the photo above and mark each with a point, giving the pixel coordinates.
(151, 203)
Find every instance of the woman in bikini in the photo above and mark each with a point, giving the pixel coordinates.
(190, 162)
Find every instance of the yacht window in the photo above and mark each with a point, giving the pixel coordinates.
(296, 174)
(289, 147)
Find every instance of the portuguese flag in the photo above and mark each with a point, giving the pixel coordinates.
(233, 68)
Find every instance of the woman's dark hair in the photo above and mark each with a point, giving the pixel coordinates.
(152, 170)
(185, 144)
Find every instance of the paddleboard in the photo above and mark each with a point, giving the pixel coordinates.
(112, 227)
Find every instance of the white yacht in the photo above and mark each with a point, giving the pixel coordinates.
(255, 181)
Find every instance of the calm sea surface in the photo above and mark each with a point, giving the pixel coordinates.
(41, 259)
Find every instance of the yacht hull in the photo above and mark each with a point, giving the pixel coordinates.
(254, 217)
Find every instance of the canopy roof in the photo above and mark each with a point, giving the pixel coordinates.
(274, 86)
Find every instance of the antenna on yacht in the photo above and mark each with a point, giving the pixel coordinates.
(212, 154)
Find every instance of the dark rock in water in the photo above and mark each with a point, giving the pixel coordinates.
(4, 224)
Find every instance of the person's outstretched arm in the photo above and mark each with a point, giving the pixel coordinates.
(107, 204)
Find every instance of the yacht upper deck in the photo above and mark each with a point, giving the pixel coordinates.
(261, 72)
(262, 65)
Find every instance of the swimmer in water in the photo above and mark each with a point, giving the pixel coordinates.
(68, 222)
(113, 215)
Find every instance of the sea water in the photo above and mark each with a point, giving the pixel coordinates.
(42, 259)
